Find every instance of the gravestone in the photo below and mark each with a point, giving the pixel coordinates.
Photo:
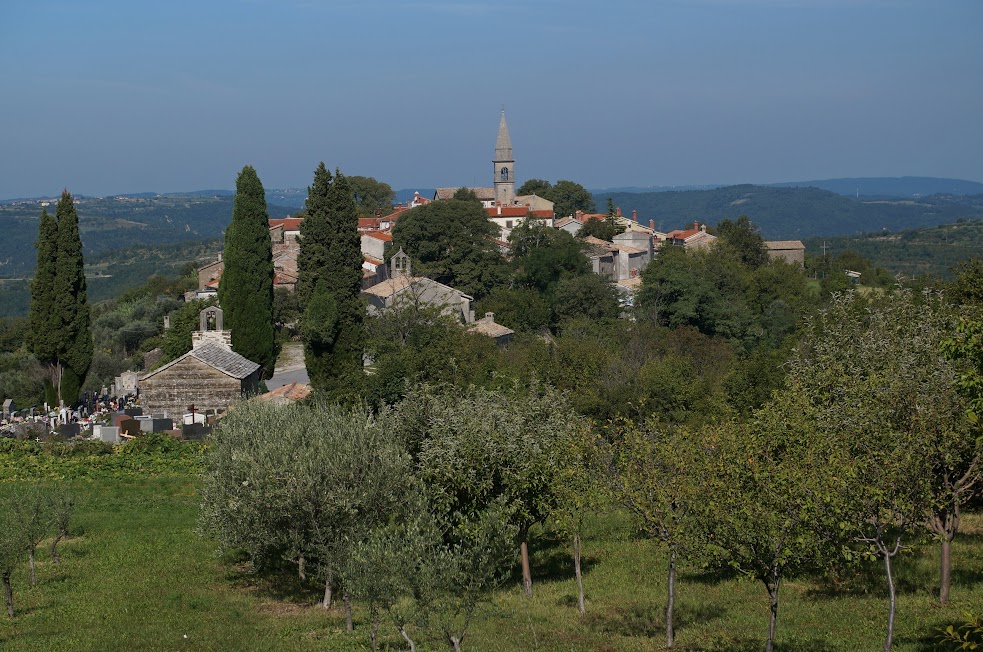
(133, 411)
(69, 430)
(128, 426)
(108, 434)
(9, 408)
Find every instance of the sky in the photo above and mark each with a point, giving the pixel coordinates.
(113, 96)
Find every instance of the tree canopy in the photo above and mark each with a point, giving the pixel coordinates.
(451, 242)
(371, 196)
(568, 197)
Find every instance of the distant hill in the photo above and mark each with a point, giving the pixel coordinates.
(109, 224)
(604, 192)
(794, 213)
(890, 186)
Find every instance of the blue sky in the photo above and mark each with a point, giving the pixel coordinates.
(109, 96)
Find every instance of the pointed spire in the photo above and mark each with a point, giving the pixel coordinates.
(503, 146)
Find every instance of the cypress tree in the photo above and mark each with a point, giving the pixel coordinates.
(315, 236)
(71, 320)
(44, 329)
(246, 289)
(330, 274)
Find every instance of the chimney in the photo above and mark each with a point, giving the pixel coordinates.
(617, 211)
(220, 256)
(696, 226)
(490, 316)
(634, 216)
(652, 224)
(167, 322)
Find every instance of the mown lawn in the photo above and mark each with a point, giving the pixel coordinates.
(138, 577)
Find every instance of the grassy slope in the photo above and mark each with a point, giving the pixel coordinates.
(139, 578)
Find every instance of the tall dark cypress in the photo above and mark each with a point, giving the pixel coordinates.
(44, 327)
(74, 336)
(246, 289)
(315, 235)
(330, 274)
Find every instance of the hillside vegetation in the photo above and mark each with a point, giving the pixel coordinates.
(113, 272)
(795, 213)
(931, 251)
(111, 224)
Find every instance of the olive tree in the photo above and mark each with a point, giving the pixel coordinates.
(11, 550)
(477, 447)
(302, 483)
(429, 577)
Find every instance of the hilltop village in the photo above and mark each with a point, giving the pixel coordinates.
(383, 421)
(388, 280)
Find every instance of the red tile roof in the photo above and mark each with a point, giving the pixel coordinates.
(507, 211)
(288, 223)
(380, 235)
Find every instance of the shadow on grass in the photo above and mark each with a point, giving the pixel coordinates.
(710, 576)
(648, 620)
(551, 560)
(273, 583)
(756, 645)
(911, 576)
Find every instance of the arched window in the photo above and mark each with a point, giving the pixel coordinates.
(505, 174)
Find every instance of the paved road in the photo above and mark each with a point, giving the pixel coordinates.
(290, 367)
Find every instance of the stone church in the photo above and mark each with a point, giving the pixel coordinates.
(211, 376)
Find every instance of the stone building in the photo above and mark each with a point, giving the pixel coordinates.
(211, 376)
(791, 251)
(402, 289)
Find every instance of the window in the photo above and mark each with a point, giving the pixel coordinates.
(505, 174)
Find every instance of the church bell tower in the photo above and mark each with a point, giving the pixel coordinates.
(504, 166)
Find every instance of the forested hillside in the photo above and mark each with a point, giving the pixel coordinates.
(918, 252)
(794, 213)
(111, 224)
(110, 274)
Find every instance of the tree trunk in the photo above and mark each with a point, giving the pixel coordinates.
(455, 643)
(302, 567)
(891, 598)
(773, 619)
(670, 604)
(8, 593)
(349, 624)
(54, 548)
(945, 523)
(580, 578)
(406, 637)
(374, 632)
(327, 593)
(526, 574)
(30, 565)
(945, 573)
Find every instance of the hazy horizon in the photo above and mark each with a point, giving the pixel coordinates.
(113, 97)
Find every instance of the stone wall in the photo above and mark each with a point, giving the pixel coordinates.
(189, 382)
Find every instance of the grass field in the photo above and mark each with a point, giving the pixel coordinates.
(138, 577)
